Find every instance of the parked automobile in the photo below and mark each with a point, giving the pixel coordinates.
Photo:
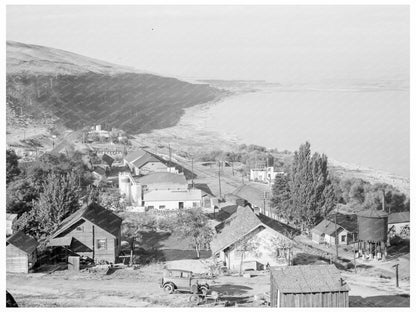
(182, 280)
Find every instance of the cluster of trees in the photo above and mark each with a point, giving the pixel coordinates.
(307, 192)
(359, 194)
(46, 192)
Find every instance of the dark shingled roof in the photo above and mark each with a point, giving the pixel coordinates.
(96, 214)
(399, 217)
(22, 241)
(308, 279)
(242, 223)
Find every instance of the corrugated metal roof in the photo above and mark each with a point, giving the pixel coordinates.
(308, 279)
(167, 195)
(22, 241)
(399, 217)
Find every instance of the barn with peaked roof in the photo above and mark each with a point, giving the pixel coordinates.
(92, 231)
(270, 241)
(20, 253)
(308, 286)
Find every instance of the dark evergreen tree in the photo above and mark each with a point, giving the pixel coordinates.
(12, 165)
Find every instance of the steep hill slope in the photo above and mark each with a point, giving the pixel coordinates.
(45, 83)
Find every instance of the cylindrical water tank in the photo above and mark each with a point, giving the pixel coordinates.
(372, 225)
(124, 184)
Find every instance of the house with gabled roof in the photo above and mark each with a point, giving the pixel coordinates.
(21, 253)
(327, 231)
(143, 162)
(272, 241)
(308, 286)
(92, 231)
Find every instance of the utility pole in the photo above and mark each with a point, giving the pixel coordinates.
(170, 156)
(219, 177)
(192, 159)
(397, 274)
(336, 234)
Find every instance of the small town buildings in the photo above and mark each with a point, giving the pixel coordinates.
(10, 220)
(327, 231)
(143, 162)
(209, 200)
(307, 286)
(265, 175)
(399, 224)
(92, 232)
(270, 241)
(21, 253)
(107, 159)
(257, 197)
(159, 190)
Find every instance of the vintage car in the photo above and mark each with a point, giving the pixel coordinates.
(183, 280)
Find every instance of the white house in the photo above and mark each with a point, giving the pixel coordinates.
(326, 232)
(270, 241)
(159, 190)
(265, 175)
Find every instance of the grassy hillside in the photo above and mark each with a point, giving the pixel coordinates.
(79, 91)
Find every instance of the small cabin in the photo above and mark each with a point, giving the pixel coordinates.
(20, 253)
(307, 286)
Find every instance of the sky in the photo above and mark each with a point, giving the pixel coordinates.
(286, 44)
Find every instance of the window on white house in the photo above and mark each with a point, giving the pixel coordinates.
(343, 238)
(195, 204)
(101, 244)
(162, 206)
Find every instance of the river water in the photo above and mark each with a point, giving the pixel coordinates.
(369, 128)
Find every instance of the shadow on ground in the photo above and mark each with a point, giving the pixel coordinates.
(230, 289)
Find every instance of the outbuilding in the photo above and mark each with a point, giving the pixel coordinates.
(20, 253)
(307, 286)
(399, 224)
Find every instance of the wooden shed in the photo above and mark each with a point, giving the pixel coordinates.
(20, 253)
(308, 286)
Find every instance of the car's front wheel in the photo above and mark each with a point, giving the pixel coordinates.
(169, 288)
